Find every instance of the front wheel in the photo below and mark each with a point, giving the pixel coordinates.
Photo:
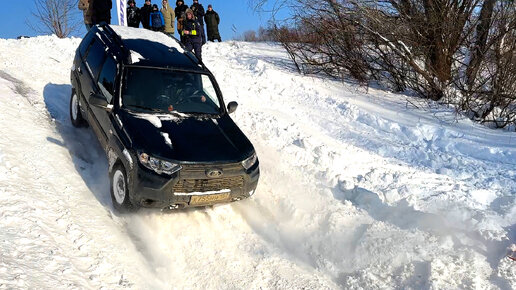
(75, 111)
(120, 190)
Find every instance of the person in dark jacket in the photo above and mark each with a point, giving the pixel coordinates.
(133, 14)
(180, 11)
(198, 11)
(192, 34)
(145, 13)
(101, 12)
(212, 24)
(156, 21)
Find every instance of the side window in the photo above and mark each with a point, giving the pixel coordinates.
(209, 90)
(107, 79)
(95, 57)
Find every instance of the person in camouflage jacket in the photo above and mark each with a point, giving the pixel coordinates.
(133, 14)
(180, 15)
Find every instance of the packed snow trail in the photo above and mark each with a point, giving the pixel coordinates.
(53, 231)
(356, 189)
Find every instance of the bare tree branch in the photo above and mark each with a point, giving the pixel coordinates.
(461, 52)
(57, 17)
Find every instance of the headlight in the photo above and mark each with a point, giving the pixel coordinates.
(157, 165)
(249, 162)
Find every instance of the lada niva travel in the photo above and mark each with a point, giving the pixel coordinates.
(161, 119)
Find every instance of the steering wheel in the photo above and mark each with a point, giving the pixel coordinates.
(163, 102)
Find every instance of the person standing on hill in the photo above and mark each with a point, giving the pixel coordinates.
(102, 12)
(87, 11)
(212, 24)
(145, 12)
(191, 34)
(198, 11)
(133, 14)
(170, 17)
(180, 14)
(156, 21)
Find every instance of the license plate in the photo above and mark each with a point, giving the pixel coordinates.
(207, 199)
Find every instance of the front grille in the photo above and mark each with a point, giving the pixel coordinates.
(202, 185)
(201, 168)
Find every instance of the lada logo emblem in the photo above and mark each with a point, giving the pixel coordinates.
(214, 173)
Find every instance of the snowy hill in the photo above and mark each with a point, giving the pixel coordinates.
(357, 190)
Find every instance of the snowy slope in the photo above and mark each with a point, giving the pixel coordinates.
(358, 190)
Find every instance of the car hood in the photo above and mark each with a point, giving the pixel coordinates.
(187, 138)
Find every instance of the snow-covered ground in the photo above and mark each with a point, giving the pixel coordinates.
(357, 189)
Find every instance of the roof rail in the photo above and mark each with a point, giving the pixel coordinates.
(115, 39)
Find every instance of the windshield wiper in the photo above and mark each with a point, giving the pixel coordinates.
(201, 113)
(147, 108)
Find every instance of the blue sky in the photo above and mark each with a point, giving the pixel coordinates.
(15, 14)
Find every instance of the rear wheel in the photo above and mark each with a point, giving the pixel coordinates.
(120, 189)
(75, 111)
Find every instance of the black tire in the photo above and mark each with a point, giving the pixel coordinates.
(75, 111)
(120, 190)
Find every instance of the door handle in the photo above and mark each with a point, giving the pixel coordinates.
(79, 70)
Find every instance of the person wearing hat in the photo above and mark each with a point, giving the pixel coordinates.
(169, 16)
(180, 11)
(198, 11)
(145, 12)
(156, 21)
(192, 34)
(212, 21)
(133, 14)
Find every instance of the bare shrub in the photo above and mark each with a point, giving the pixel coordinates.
(451, 51)
(488, 88)
(56, 17)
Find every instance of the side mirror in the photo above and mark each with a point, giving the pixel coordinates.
(232, 106)
(99, 101)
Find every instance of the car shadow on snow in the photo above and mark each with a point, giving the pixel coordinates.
(85, 150)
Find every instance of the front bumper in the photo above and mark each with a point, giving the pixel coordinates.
(150, 189)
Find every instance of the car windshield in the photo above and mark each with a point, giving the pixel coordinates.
(159, 90)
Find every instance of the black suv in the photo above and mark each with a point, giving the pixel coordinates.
(160, 117)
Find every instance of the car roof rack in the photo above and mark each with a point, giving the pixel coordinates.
(116, 40)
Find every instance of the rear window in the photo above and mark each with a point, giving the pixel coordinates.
(170, 91)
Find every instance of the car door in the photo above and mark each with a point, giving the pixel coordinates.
(90, 71)
(81, 72)
(106, 84)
